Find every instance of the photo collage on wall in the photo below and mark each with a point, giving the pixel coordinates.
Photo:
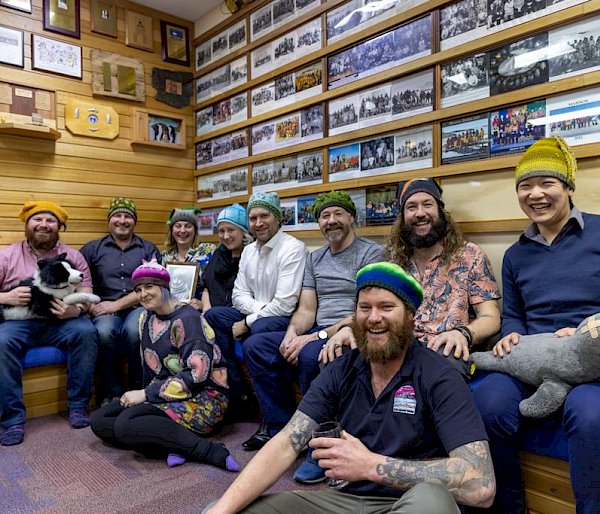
(221, 80)
(222, 149)
(222, 114)
(296, 170)
(357, 15)
(289, 47)
(468, 20)
(401, 151)
(207, 221)
(221, 45)
(298, 213)
(223, 184)
(397, 46)
(276, 13)
(287, 89)
(405, 97)
(291, 129)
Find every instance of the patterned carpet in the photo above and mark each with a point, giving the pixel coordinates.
(61, 470)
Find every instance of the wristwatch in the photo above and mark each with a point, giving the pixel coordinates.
(322, 335)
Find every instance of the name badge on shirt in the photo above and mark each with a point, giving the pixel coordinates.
(405, 400)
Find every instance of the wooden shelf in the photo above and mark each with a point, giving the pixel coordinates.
(34, 131)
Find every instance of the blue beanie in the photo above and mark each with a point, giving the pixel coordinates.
(269, 201)
(236, 215)
(393, 278)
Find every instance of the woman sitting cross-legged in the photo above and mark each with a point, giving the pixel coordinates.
(185, 392)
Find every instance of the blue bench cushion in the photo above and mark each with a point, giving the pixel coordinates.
(540, 437)
(44, 356)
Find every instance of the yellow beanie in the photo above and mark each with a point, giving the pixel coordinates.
(31, 208)
(548, 157)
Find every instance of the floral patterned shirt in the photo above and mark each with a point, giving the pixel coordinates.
(200, 255)
(450, 291)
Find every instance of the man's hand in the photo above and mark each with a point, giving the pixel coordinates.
(565, 332)
(333, 349)
(131, 398)
(18, 296)
(62, 310)
(504, 345)
(239, 328)
(455, 342)
(290, 346)
(346, 458)
(104, 308)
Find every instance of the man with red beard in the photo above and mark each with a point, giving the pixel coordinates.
(412, 440)
(70, 330)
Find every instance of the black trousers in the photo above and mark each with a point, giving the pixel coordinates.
(148, 430)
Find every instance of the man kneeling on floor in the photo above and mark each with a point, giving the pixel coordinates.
(412, 440)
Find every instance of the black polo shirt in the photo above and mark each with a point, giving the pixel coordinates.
(424, 412)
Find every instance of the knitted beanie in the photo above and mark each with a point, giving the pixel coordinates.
(334, 199)
(31, 208)
(189, 214)
(236, 215)
(126, 205)
(393, 278)
(420, 185)
(548, 157)
(151, 273)
(269, 201)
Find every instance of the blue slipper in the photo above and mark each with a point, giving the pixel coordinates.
(13, 435)
(79, 418)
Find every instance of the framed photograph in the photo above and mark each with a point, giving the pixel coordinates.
(575, 117)
(465, 139)
(175, 42)
(55, 56)
(11, 47)
(118, 76)
(377, 154)
(412, 95)
(414, 148)
(184, 277)
(465, 80)
(138, 30)
(62, 17)
(463, 21)
(104, 17)
(382, 205)
(203, 54)
(514, 129)
(344, 162)
(155, 128)
(20, 5)
(261, 22)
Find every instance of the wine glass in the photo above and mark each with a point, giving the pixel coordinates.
(331, 429)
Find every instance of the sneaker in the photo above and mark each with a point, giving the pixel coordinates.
(309, 471)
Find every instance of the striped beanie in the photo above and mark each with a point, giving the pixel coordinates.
(269, 201)
(150, 273)
(334, 199)
(548, 157)
(393, 278)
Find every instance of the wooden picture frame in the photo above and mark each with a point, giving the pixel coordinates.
(55, 56)
(184, 279)
(139, 30)
(175, 43)
(104, 17)
(11, 47)
(19, 5)
(62, 17)
(156, 128)
(118, 76)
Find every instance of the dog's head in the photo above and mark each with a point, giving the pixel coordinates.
(57, 273)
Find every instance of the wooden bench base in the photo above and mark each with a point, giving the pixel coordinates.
(45, 390)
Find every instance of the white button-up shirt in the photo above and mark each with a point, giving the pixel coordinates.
(270, 277)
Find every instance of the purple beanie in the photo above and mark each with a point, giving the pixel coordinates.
(151, 273)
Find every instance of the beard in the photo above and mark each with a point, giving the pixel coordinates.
(400, 336)
(41, 240)
(336, 236)
(437, 233)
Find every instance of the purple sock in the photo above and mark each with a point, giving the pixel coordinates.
(13, 435)
(79, 418)
(231, 464)
(174, 459)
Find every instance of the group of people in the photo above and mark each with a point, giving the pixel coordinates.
(378, 339)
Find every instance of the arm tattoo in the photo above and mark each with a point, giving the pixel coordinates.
(468, 473)
(299, 430)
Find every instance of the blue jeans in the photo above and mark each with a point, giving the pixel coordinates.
(221, 319)
(118, 338)
(273, 376)
(497, 398)
(76, 335)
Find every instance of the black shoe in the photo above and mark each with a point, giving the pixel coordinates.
(258, 440)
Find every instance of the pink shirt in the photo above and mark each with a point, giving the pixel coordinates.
(19, 262)
(450, 291)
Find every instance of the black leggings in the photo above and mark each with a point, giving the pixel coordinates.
(147, 430)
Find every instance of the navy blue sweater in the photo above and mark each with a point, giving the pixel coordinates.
(550, 287)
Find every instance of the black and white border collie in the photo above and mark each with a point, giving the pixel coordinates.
(55, 278)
